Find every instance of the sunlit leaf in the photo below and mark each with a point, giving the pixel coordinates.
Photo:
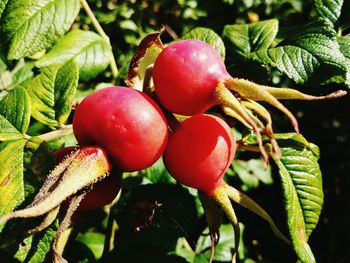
(11, 176)
(52, 93)
(90, 51)
(31, 26)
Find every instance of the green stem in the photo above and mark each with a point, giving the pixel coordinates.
(63, 131)
(102, 33)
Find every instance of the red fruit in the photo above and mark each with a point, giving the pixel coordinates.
(200, 151)
(185, 76)
(128, 124)
(102, 193)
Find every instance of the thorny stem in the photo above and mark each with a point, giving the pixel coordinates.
(64, 130)
(102, 33)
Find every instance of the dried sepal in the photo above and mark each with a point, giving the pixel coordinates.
(138, 73)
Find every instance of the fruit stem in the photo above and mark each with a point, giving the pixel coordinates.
(221, 197)
(62, 131)
(102, 33)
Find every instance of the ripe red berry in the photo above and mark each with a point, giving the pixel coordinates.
(127, 123)
(200, 151)
(185, 76)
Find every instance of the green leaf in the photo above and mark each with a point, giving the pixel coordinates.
(34, 248)
(20, 74)
(94, 241)
(157, 173)
(245, 39)
(91, 52)
(302, 186)
(209, 36)
(329, 9)
(38, 162)
(52, 93)
(223, 250)
(2, 6)
(344, 43)
(11, 176)
(8, 131)
(3, 65)
(31, 26)
(16, 108)
(23, 75)
(312, 51)
(252, 172)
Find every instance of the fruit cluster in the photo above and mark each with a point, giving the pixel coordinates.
(122, 129)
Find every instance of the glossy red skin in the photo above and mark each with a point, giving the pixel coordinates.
(127, 123)
(185, 76)
(200, 151)
(102, 193)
